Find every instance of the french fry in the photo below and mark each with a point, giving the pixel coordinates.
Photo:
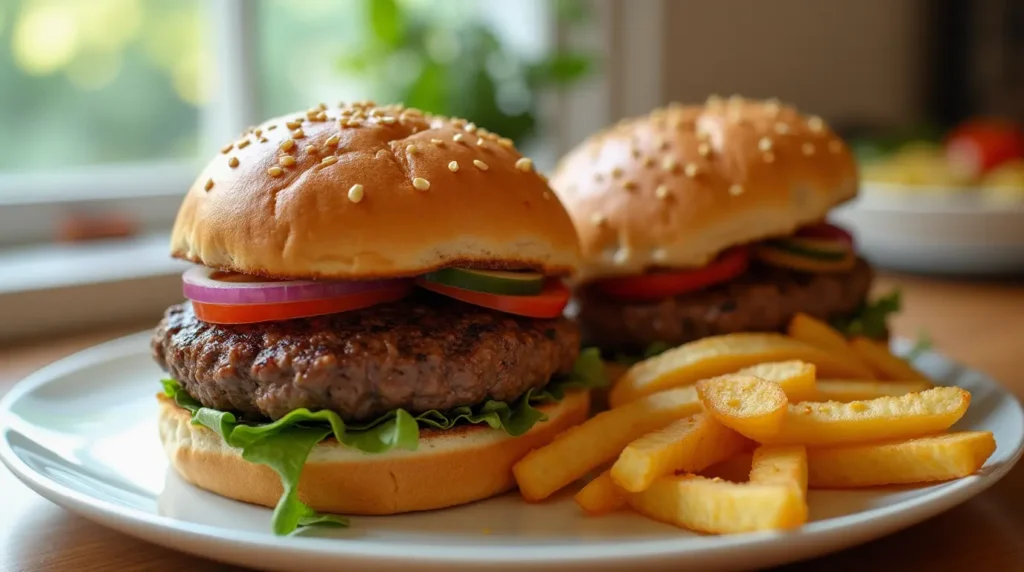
(719, 355)
(735, 468)
(600, 496)
(878, 356)
(882, 419)
(821, 335)
(780, 465)
(846, 391)
(795, 377)
(716, 506)
(938, 458)
(583, 448)
(744, 403)
(690, 444)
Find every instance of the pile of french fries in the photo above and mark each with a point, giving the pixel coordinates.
(727, 433)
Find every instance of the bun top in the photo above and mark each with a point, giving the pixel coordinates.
(676, 187)
(360, 191)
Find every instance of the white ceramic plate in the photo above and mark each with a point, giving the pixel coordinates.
(936, 231)
(82, 433)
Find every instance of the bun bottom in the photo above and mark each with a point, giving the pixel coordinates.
(449, 468)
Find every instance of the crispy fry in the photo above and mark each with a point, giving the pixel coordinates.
(888, 366)
(716, 506)
(735, 468)
(938, 458)
(885, 418)
(690, 444)
(855, 390)
(744, 403)
(719, 355)
(795, 377)
(780, 465)
(598, 440)
(600, 496)
(821, 335)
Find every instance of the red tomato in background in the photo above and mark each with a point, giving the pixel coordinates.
(978, 146)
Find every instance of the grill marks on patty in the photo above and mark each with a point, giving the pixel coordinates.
(764, 299)
(425, 352)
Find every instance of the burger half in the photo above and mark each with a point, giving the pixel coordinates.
(374, 322)
(710, 219)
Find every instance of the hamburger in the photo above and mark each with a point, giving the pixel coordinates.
(709, 219)
(374, 323)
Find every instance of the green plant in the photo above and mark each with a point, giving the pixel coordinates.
(440, 58)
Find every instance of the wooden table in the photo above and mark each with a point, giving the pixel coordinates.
(979, 324)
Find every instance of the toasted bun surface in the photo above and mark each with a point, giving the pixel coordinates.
(452, 467)
(675, 188)
(363, 192)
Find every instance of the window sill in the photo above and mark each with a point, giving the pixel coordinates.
(67, 287)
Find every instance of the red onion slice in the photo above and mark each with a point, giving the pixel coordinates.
(202, 284)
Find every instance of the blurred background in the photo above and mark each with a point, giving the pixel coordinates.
(109, 107)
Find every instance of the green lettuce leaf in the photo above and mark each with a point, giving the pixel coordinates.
(284, 444)
(871, 319)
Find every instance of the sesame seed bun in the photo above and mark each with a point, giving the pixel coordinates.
(675, 188)
(363, 192)
(472, 463)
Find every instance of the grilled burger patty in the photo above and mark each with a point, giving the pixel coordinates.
(763, 299)
(425, 352)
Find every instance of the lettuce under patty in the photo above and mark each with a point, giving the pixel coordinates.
(285, 444)
(871, 320)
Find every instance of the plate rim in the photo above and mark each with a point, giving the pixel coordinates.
(885, 518)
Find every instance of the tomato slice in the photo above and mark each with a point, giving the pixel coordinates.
(826, 231)
(548, 304)
(980, 145)
(665, 284)
(253, 313)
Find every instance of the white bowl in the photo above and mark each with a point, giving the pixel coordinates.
(938, 231)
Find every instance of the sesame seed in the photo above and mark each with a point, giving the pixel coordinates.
(765, 144)
(690, 170)
(437, 142)
(782, 128)
(736, 100)
(669, 164)
(227, 148)
(598, 219)
(287, 144)
(323, 106)
(347, 111)
(209, 184)
(328, 161)
(524, 164)
(703, 135)
(815, 123)
(272, 127)
(547, 196)
(648, 161)
(263, 139)
(355, 193)
(505, 142)
(480, 142)
(286, 160)
(808, 149)
(622, 256)
(635, 152)
(659, 255)
(616, 172)
(332, 141)
(453, 166)
(298, 134)
(233, 162)
(772, 107)
(661, 192)
(458, 138)
(629, 184)
(659, 143)
(292, 124)
(311, 150)
(274, 171)
(388, 120)
(835, 146)
(376, 113)
(480, 164)
(421, 183)
(713, 100)
(470, 127)
(411, 149)
(736, 190)
(704, 149)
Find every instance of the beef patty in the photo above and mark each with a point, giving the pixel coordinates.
(764, 299)
(425, 352)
